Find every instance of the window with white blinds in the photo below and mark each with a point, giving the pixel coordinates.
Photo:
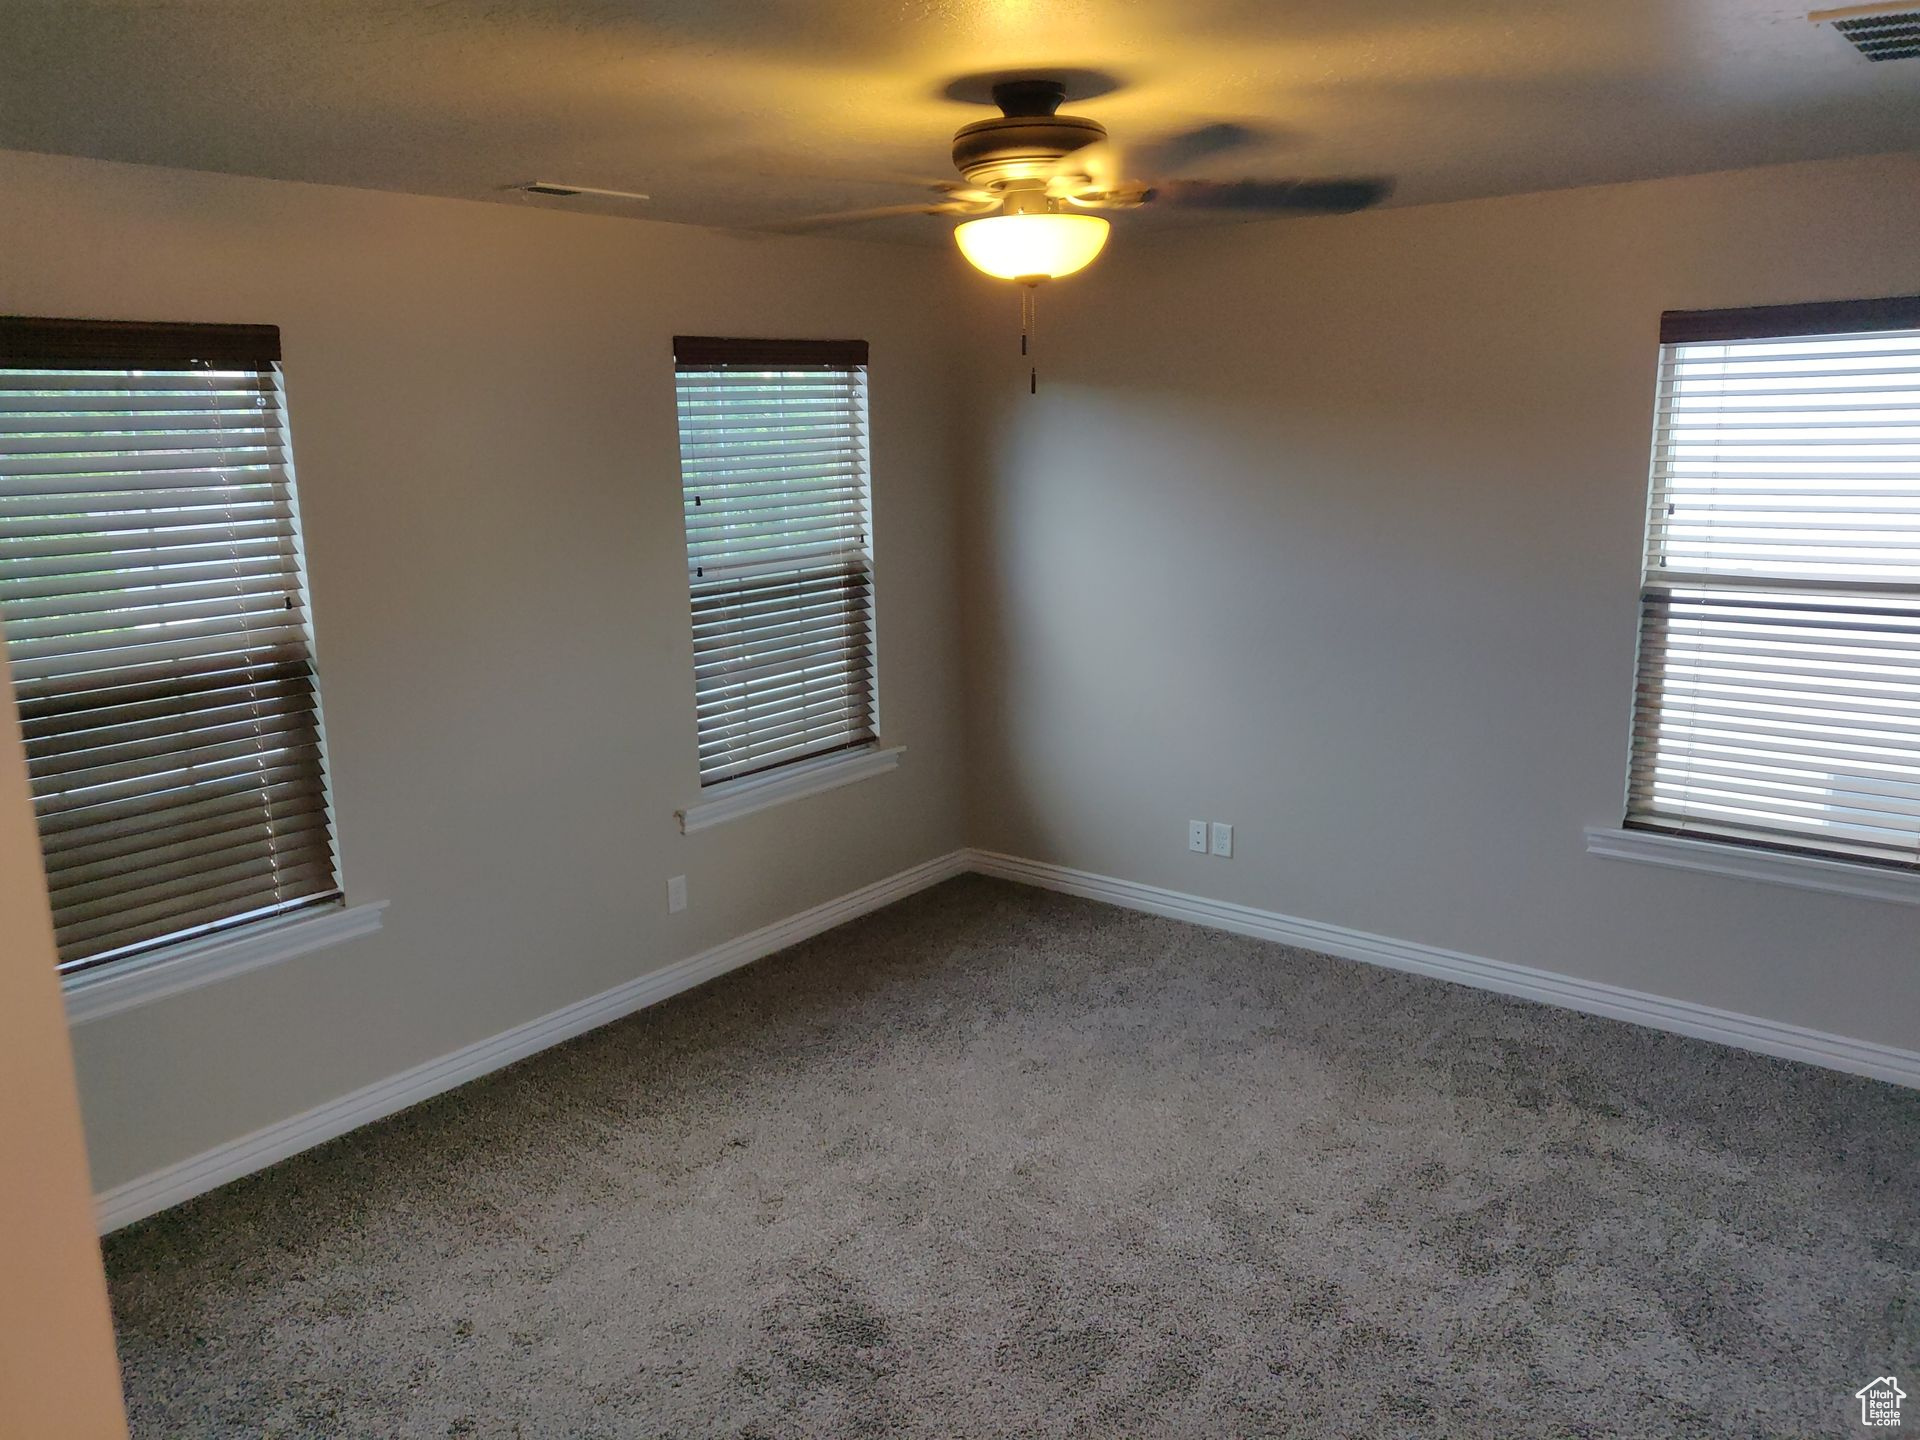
(155, 614)
(1778, 698)
(773, 465)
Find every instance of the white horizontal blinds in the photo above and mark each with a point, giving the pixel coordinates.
(773, 461)
(151, 587)
(1778, 698)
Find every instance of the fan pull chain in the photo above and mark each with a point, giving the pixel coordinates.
(1029, 313)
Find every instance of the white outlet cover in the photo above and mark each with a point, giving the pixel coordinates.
(1197, 836)
(676, 894)
(1222, 838)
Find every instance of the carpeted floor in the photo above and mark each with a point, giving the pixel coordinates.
(1000, 1163)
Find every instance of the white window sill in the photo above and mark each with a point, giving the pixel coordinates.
(173, 969)
(1807, 872)
(731, 799)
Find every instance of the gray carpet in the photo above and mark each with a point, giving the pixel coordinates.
(1000, 1163)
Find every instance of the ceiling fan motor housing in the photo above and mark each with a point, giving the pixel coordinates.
(992, 153)
(1024, 142)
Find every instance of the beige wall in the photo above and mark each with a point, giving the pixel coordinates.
(482, 411)
(1330, 529)
(58, 1373)
(1327, 529)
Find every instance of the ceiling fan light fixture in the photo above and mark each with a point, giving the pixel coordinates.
(1033, 246)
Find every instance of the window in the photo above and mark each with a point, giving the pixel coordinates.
(1778, 697)
(151, 587)
(773, 468)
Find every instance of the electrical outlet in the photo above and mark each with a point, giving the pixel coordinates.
(1197, 836)
(1222, 839)
(676, 894)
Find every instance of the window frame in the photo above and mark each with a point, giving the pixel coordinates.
(1801, 861)
(116, 975)
(699, 361)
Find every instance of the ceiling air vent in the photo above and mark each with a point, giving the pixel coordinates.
(1879, 32)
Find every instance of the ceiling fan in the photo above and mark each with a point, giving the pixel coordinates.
(1033, 179)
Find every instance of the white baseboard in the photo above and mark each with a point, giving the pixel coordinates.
(151, 1193)
(1682, 1017)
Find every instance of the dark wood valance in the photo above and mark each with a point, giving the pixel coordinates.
(712, 352)
(36, 342)
(1768, 322)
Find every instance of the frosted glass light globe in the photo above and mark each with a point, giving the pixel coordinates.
(1032, 246)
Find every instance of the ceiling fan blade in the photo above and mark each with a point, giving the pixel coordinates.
(1091, 170)
(878, 212)
(949, 189)
(1096, 176)
(964, 194)
(1309, 197)
(1176, 152)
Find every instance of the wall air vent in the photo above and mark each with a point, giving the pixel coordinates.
(562, 191)
(1879, 32)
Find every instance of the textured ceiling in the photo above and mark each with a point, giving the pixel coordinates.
(739, 112)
